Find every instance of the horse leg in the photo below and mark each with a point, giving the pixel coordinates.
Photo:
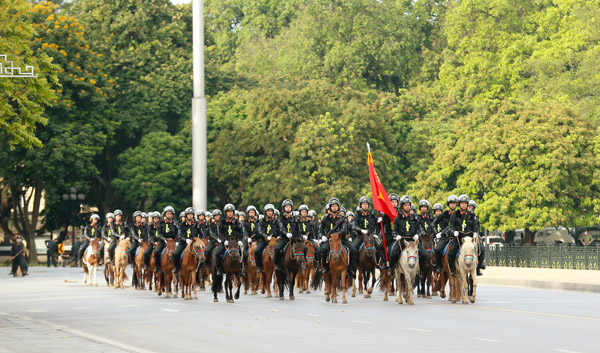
(344, 286)
(280, 276)
(398, 287)
(334, 285)
(464, 288)
(85, 273)
(292, 281)
(354, 286)
(474, 279)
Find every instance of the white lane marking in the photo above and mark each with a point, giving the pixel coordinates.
(83, 334)
(362, 322)
(315, 315)
(418, 329)
(564, 350)
(486, 340)
(37, 311)
(82, 308)
(170, 310)
(53, 298)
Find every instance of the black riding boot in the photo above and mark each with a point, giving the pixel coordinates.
(277, 261)
(438, 262)
(352, 266)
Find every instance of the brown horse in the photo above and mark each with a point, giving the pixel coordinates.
(252, 278)
(166, 273)
(339, 258)
(232, 264)
(90, 261)
(268, 267)
(138, 281)
(109, 273)
(121, 261)
(192, 257)
(304, 276)
(293, 262)
(367, 263)
(426, 265)
(203, 273)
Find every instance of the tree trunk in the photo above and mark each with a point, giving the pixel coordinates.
(529, 236)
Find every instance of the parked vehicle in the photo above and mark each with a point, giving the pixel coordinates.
(553, 236)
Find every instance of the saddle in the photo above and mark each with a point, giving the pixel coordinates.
(446, 249)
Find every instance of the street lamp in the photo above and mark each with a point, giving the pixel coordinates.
(199, 172)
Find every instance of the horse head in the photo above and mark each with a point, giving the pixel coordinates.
(298, 248)
(251, 257)
(335, 245)
(369, 244)
(95, 246)
(467, 250)
(310, 252)
(124, 244)
(233, 250)
(412, 253)
(170, 246)
(428, 243)
(271, 247)
(198, 250)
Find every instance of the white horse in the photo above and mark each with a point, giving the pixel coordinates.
(407, 271)
(90, 262)
(467, 264)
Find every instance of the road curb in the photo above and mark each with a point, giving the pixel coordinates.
(554, 285)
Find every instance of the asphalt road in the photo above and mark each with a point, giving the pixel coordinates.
(53, 311)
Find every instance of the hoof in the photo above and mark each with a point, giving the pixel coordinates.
(360, 292)
(230, 300)
(269, 296)
(159, 294)
(253, 293)
(237, 296)
(385, 299)
(367, 295)
(291, 297)
(281, 298)
(301, 291)
(411, 303)
(167, 296)
(442, 296)
(327, 299)
(307, 292)
(345, 301)
(370, 291)
(428, 297)
(472, 299)
(354, 295)
(174, 295)
(334, 301)
(215, 300)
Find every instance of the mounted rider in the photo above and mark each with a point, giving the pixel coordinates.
(462, 223)
(289, 227)
(137, 233)
(333, 223)
(230, 230)
(188, 230)
(167, 229)
(407, 227)
(441, 223)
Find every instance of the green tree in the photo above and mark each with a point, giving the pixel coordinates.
(22, 100)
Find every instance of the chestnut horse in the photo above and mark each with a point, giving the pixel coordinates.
(203, 273)
(339, 258)
(91, 259)
(192, 257)
(252, 278)
(367, 262)
(293, 262)
(304, 276)
(232, 264)
(121, 260)
(138, 281)
(266, 275)
(165, 275)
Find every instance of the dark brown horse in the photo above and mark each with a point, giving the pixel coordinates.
(426, 266)
(302, 281)
(367, 263)
(192, 257)
(166, 273)
(293, 262)
(232, 264)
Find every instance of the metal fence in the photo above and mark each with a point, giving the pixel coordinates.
(567, 257)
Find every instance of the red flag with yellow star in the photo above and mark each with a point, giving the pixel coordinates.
(381, 200)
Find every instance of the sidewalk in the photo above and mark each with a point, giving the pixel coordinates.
(572, 280)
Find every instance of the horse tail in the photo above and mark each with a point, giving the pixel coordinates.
(217, 284)
(317, 280)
